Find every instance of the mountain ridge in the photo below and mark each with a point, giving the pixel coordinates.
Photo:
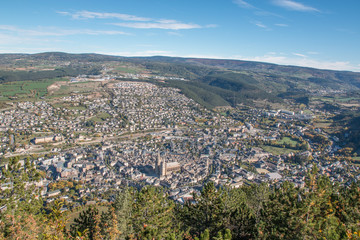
(202, 61)
(227, 81)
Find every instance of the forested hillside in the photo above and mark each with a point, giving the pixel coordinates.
(349, 125)
(320, 210)
(211, 82)
(13, 76)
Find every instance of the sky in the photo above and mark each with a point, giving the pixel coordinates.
(313, 33)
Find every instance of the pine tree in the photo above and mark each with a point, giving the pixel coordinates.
(111, 229)
(313, 212)
(122, 209)
(54, 224)
(21, 194)
(227, 235)
(280, 215)
(209, 212)
(347, 205)
(152, 214)
(88, 222)
(205, 235)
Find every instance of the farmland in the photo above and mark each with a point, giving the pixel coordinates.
(26, 89)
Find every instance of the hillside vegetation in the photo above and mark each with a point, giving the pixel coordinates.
(348, 124)
(211, 82)
(321, 210)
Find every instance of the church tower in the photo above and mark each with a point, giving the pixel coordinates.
(207, 165)
(160, 167)
(157, 165)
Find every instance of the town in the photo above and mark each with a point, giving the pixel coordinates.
(134, 133)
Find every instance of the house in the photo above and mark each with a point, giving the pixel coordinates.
(273, 176)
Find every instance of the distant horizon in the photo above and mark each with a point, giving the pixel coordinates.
(318, 34)
(185, 57)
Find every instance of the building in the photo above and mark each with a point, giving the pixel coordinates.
(274, 176)
(164, 169)
(48, 139)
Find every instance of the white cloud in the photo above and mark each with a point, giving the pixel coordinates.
(281, 25)
(9, 39)
(51, 31)
(204, 56)
(211, 26)
(264, 13)
(312, 53)
(303, 62)
(299, 54)
(259, 24)
(243, 4)
(140, 53)
(132, 21)
(30, 50)
(295, 6)
(159, 25)
(257, 11)
(101, 15)
(175, 34)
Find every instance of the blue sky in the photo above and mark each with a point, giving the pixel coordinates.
(315, 33)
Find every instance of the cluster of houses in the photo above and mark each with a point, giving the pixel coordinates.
(195, 145)
(148, 76)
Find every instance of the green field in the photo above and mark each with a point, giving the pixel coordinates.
(347, 99)
(322, 124)
(100, 117)
(277, 150)
(26, 89)
(128, 70)
(335, 99)
(79, 87)
(77, 108)
(287, 140)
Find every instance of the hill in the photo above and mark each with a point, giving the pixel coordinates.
(211, 82)
(348, 124)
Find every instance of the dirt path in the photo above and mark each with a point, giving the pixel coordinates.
(55, 87)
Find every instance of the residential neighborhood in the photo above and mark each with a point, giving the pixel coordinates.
(136, 133)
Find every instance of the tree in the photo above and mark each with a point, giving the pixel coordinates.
(121, 210)
(314, 212)
(204, 236)
(152, 214)
(208, 214)
(20, 200)
(279, 218)
(89, 222)
(24, 226)
(21, 193)
(227, 235)
(54, 223)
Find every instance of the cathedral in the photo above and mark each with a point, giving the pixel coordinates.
(164, 169)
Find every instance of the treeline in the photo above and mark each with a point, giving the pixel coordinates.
(320, 210)
(223, 89)
(203, 94)
(349, 125)
(12, 76)
(178, 69)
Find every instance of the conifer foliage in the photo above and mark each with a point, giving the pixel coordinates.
(320, 210)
